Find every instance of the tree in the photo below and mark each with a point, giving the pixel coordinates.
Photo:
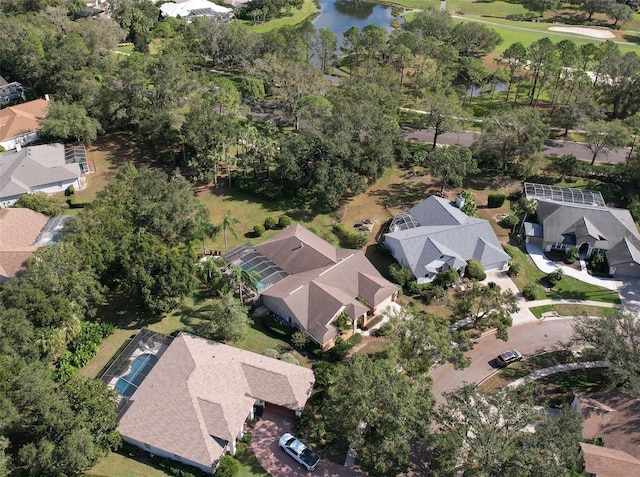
(595, 6)
(509, 136)
(515, 59)
(474, 39)
(242, 278)
(602, 136)
(227, 223)
(157, 275)
(526, 207)
(619, 12)
(70, 120)
(423, 339)
(485, 434)
(324, 46)
(444, 113)
(486, 306)
(43, 203)
(615, 336)
(378, 410)
(543, 60)
(451, 164)
(224, 319)
(541, 6)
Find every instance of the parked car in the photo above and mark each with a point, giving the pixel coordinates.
(505, 359)
(300, 452)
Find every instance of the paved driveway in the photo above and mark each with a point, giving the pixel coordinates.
(274, 460)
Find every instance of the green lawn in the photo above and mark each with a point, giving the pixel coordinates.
(294, 17)
(572, 310)
(527, 366)
(118, 465)
(568, 288)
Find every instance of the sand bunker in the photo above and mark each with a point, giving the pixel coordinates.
(592, 32)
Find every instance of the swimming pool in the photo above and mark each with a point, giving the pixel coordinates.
(142, 364)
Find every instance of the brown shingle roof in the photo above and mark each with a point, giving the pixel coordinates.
(606, 462)
(296, 250)
(19, 229)
(318, 288)
(22, 118)
(200, 392)
(615, 418)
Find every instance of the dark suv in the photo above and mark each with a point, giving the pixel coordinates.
(505, 359)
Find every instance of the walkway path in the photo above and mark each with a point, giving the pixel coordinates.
(561, 368)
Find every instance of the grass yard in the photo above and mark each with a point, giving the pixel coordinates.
(563, 309)
(294, 17)
(118, 465)
(558, 389)
(527, 366)
(567, 288)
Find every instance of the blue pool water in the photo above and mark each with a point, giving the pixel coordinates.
(126, 385)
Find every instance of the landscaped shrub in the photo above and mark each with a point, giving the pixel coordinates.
(514, 269)
(469, 206)
(178, 469)
(269, 223)
(258, 230)
(495, 200)
(351, 239)
(446, 279)
(228, 467)
(385, 330)
(83, 348)
(355, 339)
(400, 275)
(289, 358)
(572, 254)
(284, 221)
(271, 353)
(599, 263)
(509, 222)
(299, 339)
(554, 277)
(532, 292)
(475, 270)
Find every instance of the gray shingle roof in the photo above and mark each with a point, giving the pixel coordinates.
(606, 224)
(199, 394)
(435, 210)
(34, 167)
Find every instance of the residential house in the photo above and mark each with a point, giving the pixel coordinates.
(196, 8)
(612, 421)
(569, 217)
(436, 236)
(20, 124)
(36, 169)
(22, 232)
(9, 91)
(194, 398)
(308, 282)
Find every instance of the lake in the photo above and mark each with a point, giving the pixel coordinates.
(340, 15)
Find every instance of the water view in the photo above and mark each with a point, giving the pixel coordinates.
(340, 15)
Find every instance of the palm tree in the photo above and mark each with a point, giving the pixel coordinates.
(242, 278)
(208, 230)
(528, 207)
(227, 224)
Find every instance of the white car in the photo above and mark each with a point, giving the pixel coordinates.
(296, 449)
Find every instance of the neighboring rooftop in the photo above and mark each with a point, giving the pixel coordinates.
(22, 231)
(566, 195)
(198, 395)
(22, 118)
(606, 462)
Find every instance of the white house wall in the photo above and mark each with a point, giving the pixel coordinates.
(168, 455)
(10, 144)
(57, 186)
(8, 201)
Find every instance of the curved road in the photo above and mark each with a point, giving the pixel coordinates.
(527, 338)
(552, 147)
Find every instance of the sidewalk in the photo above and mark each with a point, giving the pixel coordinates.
(548, 266)
(541, 373)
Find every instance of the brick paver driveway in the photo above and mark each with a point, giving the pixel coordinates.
(274, 460)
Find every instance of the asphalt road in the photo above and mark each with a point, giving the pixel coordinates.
(551, 147)
(529, 338)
